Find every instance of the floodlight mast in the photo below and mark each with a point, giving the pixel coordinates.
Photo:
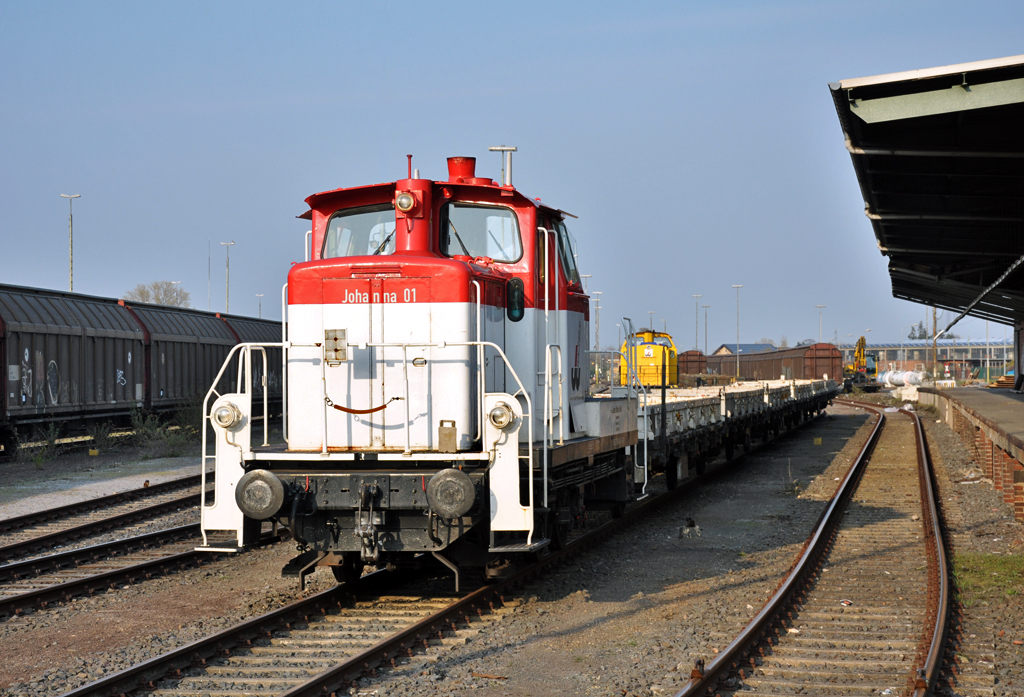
(71, 240)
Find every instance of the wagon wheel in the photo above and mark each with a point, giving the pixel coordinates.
(349, 571)
(9, 442)
(559, 531)
(672, 472)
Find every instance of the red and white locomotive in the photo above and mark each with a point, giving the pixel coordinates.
(437, 366)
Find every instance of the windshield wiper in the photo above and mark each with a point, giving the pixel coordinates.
(466, 251)
(383, 244)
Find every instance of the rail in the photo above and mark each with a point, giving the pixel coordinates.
(703, 679)
(66, 535)
(927, 675)
(51, 514)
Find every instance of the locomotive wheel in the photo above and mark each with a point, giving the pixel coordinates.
(730, 449)
(618, 509)
(350, 570)
(559, 531)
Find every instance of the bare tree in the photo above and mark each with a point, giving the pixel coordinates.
(160, 293)
(783, 342)
(766, 340)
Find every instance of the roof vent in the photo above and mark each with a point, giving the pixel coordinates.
(461, 168)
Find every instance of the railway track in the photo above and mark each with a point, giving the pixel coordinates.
(864, 610)
(50, 559)
(71, 525)
(330, 641)
(36, 583)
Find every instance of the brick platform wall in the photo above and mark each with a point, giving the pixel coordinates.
(1005, 471)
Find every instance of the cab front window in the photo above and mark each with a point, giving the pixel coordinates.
(362, 231)
(480, 231)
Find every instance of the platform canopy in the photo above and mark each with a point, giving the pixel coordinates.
(939, 154)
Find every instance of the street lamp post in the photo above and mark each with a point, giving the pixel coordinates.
(705, 328)
(260, 301)
(586, 277)
(737, 287)
(696, 322)
(820, 308)
(227, 276)
(174, 295)
(71, 240)
(651, 325)
(597, 318)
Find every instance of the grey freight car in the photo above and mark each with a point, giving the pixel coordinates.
(66, 357)
(75, 359)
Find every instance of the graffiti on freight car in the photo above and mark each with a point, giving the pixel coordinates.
(39, 376)
(53, 381)
(120, 378)
(26, 378)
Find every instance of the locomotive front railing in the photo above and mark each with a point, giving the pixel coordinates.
(243, 386)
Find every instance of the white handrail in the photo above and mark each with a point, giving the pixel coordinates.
(284, 361)
(633, 344)
(479, 366)
(408, 414)
(323, 401)
(206, 415)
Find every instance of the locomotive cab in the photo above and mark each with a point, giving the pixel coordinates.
(436, 402)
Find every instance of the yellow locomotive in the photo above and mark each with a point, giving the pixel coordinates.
(650, 349)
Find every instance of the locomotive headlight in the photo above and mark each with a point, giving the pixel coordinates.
(405, 202)
(227, 415)
(501, 416)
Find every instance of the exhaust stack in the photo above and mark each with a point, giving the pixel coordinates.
(461, 169)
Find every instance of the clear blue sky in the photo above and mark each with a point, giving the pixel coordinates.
(697, 142)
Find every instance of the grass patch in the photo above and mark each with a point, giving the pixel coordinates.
(102, 436)
(987, 577)
(156, 439)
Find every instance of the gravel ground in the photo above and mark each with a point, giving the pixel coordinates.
(630, 618)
